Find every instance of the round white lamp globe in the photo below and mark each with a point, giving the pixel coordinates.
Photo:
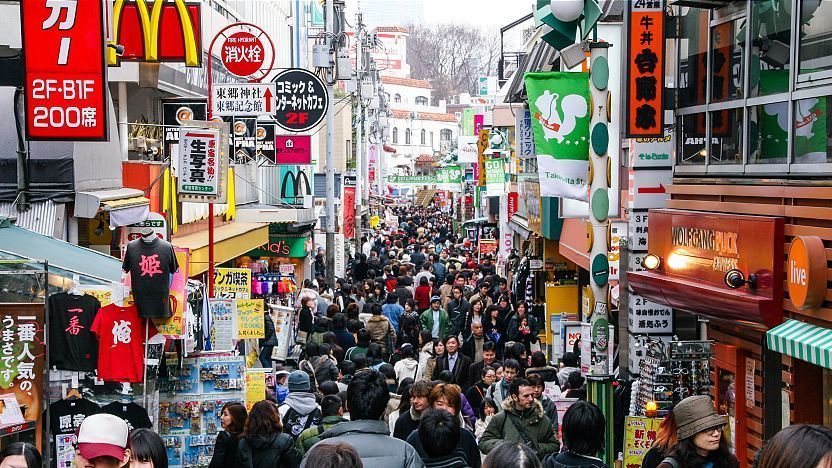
(567, 10)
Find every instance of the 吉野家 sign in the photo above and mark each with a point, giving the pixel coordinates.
(806, 272)
(645, 57)
(300, 100)
(66, 79)
(242, 99)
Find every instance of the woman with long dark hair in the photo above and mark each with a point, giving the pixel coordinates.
(666, 437)
(20, 454)
(797, 446)
(233, 420)
(522, 327)
(264, 445)
(494, 329)
(147, 450)
(408, 331)
(699, 432)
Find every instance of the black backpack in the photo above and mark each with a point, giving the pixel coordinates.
(294, 423)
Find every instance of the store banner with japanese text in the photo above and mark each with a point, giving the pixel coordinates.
(525, 134)
(255, 386)
(250, 319)
(199, 161)
(349, 212)
(645, 64)
(495, 177)
(65, 74)
(22, 357)
(449, 178)
(174, 326)
(639, 435)
(232, 283)
(559, 105)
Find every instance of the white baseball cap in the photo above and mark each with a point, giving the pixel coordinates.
(102, 435)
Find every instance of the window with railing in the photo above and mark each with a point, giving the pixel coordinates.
(421, 101)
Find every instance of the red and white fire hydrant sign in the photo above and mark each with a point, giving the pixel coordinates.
(66, 81)
(243, 54)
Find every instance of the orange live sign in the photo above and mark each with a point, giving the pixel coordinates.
(645, 85)
(806, 272)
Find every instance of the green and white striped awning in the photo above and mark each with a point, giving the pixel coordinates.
(802, 341)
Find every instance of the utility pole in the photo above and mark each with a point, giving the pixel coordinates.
(330, 151)
(359, 136)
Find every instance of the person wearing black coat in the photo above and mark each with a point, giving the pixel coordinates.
(522, 327)
(233, 419)
(264, 445)
(306, 324)
(268, 343)
(461, 367)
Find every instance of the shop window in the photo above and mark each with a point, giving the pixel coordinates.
(815, 48)
(692, 142)
(811, 130)
(770, 47)
(726, 136)
(768, 134)
(693, 56)
(727, 54)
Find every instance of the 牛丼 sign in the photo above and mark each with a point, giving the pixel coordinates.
(66, 79)
(645, 63)
(806, 272)
(300, 100)
(242, 99)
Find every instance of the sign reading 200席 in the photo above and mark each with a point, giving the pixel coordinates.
(300, 100)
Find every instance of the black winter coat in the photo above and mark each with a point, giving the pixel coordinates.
(277, 449)
(225, 450)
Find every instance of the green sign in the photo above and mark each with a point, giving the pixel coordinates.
(559, 106)
(412, 180)
(600, 269)
(281, 246)
(449, 177)
(495, 177)
(468, 121)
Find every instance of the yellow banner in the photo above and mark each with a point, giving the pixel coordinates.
(639, 435)
(232, 283)
(250, 319)
(255, 387)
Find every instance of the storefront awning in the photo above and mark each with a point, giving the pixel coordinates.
(573, 242)
(739, 306)
(27, 244)
(230, 241)
(125, 205)
(802, 341)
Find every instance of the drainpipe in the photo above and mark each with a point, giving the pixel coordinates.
(122, 119)
(22, 157)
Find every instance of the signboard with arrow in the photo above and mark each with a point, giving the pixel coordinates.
(242, 99)
(648, 188)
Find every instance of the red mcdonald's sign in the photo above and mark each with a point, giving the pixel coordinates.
(167, 31)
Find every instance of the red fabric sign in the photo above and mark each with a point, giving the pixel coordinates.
(349, 212)
(66, 81)
(645, 84)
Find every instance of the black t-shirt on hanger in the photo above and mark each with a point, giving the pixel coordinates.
(150, 265)
(135, 416)
(72, 345)
(65, 416)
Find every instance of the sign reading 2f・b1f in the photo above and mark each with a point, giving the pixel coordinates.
(66, 81)
(300, 101)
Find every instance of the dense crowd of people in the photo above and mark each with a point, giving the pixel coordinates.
(425, 357)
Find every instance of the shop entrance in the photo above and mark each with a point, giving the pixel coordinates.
(728, 375)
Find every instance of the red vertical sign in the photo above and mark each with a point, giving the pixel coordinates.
(645, 62)
(349, 211)
(66, 81)
(512, 204)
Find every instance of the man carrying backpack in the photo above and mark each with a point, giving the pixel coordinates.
(300, 410)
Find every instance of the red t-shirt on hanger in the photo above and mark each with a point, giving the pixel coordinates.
(121, 334)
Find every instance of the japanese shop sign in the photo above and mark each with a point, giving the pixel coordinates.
(66, 79)
(649, 317)
(250, 316)
(242, 54)
(645, 86)
(154, 221)
(232, 283)
(22, 356)
(349, 212)
(482, 145)
(176, 112)
(639, 435)
(140, 30)
(513, 200)
(173, 327)
(255, 386)
(525, 135)
(264, 144)
(466, 149)
(242, 99)
(223, 323)
(293, 149)
(203, 162)
(479, 122)
(301, 100)
(617, 232)
(638, 229)
(651, 152)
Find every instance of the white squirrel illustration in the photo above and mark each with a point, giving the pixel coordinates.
(555, 126)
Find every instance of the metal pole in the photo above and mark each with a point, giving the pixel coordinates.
(330, 157)
(122, 119)
(209, 114)
(600, 378)
(359, 136)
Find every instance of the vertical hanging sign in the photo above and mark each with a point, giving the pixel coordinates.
(66, 79)
(349, 212)
(645, 62)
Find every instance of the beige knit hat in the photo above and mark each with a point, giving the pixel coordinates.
(696, 414)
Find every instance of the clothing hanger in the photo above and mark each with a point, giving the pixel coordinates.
(73, 393)
(74, 290)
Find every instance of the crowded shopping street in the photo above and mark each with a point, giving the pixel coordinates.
(416, 234)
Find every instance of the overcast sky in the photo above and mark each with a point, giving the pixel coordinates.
(486, 13)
